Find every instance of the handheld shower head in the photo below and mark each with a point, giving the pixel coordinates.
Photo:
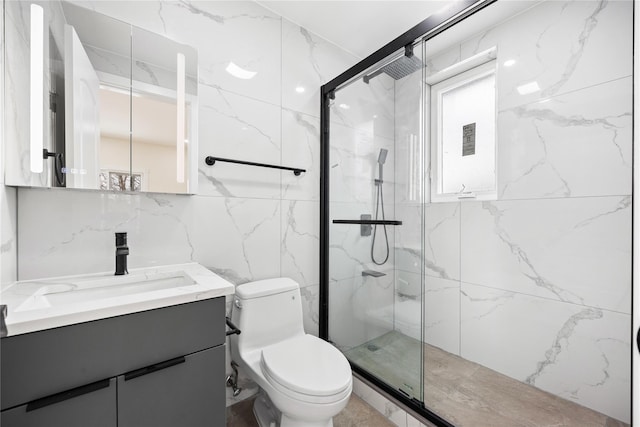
(382, 157)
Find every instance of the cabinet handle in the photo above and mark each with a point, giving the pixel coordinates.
(153, 368)
(66, 395)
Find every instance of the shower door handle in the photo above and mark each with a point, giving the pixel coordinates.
(367, 221)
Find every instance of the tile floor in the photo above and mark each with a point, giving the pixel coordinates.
(356, 414)
(468, 394)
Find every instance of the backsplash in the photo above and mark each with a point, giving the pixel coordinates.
(245, 223)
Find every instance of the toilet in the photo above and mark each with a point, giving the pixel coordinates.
(304, 380)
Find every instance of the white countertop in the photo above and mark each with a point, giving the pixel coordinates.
(36, 305)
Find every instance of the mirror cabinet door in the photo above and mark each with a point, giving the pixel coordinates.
(97, 100)
(164, 95)
(47, 37)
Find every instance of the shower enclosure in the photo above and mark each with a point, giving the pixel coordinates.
(476, 214)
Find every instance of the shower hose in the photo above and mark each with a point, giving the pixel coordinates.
(380, 204)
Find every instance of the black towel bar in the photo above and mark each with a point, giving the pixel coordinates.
(210, 160)
(367, 221)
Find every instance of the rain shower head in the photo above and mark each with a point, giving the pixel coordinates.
(382, 157)
(402, 67)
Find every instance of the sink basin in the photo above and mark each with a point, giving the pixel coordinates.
(90, 290)
(42, 304)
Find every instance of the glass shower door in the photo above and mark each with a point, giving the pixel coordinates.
(375, 203)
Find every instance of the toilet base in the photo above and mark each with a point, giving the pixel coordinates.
(268, 415)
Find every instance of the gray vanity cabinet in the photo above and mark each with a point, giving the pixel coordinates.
(181, 394)
(95, 408)
(162, 367)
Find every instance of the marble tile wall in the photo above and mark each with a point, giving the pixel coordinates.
(245, 223)
(537, 284)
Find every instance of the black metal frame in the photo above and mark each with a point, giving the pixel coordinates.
(211, 160)
(425, 30)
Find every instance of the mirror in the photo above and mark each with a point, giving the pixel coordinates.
(118, 95)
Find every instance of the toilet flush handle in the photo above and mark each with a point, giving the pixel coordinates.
(237, 303)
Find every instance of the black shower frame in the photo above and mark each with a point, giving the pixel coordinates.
(425, 30)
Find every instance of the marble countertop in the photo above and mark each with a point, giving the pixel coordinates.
(36, 305)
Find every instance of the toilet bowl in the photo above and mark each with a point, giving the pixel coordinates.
(305, 381)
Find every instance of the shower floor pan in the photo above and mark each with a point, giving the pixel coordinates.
(465, 393)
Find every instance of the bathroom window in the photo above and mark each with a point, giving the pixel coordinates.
(463, 132)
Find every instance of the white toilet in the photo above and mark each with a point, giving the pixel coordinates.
(305, 381)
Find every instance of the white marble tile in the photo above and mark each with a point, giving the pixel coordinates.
(408, 237)
(237, 127)
(349, 251)
(308, 62)
(240, 32)
(579, 353)
(563, 46)
(574, 250)
(431, 315)
(76, 235)
(361, 309)
(442, 314)
(442, 240)
(310, 309)
(237, 238)
(8, 235)
(408, 305)
(572, 145)
(300, 149)
(300, 242)
(353, 162)
(366, 107)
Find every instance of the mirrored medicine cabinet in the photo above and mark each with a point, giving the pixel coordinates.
(92, 102)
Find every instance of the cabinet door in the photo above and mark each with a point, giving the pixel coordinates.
(91, 405)
(185, 391)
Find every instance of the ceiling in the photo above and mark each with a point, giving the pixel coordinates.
(359, 26)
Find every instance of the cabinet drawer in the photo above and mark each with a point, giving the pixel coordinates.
(43, 363)
(88, 406)
(185, 392)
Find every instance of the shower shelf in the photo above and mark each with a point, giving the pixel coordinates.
(367, 221)
(211, 160)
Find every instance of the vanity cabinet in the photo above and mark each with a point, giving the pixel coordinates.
(162, 367)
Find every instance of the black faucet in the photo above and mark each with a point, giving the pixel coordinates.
(122, 250)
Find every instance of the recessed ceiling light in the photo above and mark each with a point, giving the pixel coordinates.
(239, 72)
(509, 62)
(300, 89)
(344, 106)
(528, 88)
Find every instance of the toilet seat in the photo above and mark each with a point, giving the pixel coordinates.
(307, 368)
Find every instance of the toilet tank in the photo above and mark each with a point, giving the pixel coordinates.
(266, 311)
